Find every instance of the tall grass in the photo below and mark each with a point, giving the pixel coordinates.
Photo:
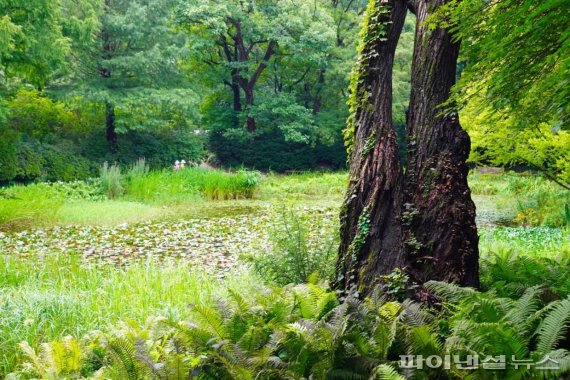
(57, 296)
(24, 206)
(305, 185)
(111, 180)
(189, 184)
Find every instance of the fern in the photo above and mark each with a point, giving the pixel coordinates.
(385, 372)
(554, 326)
(450, 292)
(123, 353)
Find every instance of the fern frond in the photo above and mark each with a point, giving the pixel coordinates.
(449, 292)
(414, 314)
(554, 326)
(385, 372)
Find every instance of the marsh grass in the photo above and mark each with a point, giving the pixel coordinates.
(305, 185)
(111, 180)
(45, 299)
(169, 187)
(33, 205)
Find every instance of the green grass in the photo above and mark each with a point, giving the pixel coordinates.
(108, 213)
(27, 206)
(42, 300)
(534, 201)
(304, 185)
(167, 187)
(533, 241)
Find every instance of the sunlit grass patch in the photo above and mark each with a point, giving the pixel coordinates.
(107, 212)
(57, 296)
(530, 241)
(305, 185)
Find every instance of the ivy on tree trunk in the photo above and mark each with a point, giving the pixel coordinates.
(420, 219)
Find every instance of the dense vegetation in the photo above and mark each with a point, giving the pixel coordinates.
(242, 321)
(115, 81)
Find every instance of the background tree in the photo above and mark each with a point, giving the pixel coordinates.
(238, 42)
(132, 68)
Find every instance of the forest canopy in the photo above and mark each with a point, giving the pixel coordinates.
(262, 84)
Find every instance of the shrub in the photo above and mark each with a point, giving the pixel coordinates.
(159, 149)
(299, 251)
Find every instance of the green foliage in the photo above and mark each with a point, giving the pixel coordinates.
(295, 257)
(509, 273)
(514, 86)
(28, 206)
(306, 333)
(484, 323)
(131, 66)
(502, 142)
(36, 115)
(171, 187)
(272, 152)
(34, 46)
(531, 88)
(57, 296)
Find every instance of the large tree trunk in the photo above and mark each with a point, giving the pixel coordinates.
(421, 220)
(440, 240)
(370, 232)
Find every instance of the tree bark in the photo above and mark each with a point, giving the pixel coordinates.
(111, 133)
(250, 121)
(369, 229)
(440, 239)
(421, 220)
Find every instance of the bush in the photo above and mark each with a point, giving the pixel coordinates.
(299, 251)
(159, 149)
(25, 160)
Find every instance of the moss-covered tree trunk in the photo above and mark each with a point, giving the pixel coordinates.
(370, 231)
(440, 234)
(420, 219)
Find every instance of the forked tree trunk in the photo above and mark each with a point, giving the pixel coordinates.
(440, 240)
(369, 228)
(422, 219)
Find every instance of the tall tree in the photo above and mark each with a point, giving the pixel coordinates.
(132, 68)
(420, 219)
(440, 240)
(369, 227)
(239, 40)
